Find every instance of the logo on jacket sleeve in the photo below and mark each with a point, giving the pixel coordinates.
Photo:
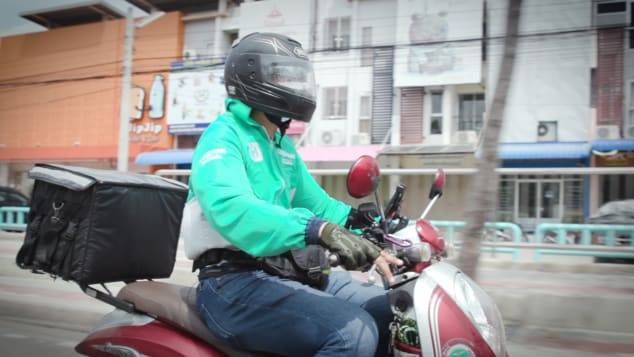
(255, 152)
(211, 155)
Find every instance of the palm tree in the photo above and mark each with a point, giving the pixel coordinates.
(484, 186)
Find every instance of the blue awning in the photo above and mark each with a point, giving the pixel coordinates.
(179, 156)
(544, 151)
(609, 145)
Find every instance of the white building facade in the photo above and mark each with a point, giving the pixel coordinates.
(411, 80)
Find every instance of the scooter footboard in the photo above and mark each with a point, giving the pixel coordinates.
(121, 333)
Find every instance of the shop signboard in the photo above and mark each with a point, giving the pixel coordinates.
(195, 98)
(619, 159)
(439, 43)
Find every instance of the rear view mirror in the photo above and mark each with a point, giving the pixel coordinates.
(363, 177)
(438, 185)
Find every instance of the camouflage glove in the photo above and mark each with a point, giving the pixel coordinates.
(353, 250)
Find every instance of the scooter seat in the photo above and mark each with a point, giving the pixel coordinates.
(175, 305)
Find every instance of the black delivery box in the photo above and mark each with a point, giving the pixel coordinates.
(98, 226)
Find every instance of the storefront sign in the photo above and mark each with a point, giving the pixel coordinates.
(195, 99)
(422, 161)
(145, 133)
(445, 55)
(620, 159)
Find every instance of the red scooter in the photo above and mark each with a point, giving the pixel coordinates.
(438, 310)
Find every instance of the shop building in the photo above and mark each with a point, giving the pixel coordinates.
(444, 80)
(61, 90)
(613, 96)
(410, 81)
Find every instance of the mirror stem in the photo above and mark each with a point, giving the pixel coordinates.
(378, 204)
(429, 206)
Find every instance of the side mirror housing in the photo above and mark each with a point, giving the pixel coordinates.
(363, 177)
(438, 185)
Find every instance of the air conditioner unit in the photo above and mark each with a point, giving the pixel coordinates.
(610, 13)
(547, 131)
(604, 132)
(332, 138)
(360, 139)
(465, 137)
(189, 54)
(629, 132)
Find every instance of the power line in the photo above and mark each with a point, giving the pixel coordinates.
(373, 47)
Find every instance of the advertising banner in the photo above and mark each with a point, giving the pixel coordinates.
(436, 45)
(195, 98)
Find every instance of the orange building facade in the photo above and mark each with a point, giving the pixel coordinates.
(60, 94)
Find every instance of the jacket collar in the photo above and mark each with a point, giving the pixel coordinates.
(243, 112)
(240, 110)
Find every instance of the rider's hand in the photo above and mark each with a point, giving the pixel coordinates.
(353, 250)
(383, 265)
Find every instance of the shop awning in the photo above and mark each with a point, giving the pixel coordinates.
(337, 153)
(544, 151)
(609, 145)
(165, 157)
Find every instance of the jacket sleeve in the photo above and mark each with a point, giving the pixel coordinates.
(220, 183)
(311, 196)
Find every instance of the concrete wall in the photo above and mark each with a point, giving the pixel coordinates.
(551, 79)
(78, 119)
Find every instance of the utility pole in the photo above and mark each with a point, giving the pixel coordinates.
(126, 83)
(484, 187)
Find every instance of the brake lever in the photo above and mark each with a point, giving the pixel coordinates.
(403, 243)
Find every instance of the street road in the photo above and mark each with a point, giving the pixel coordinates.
(19, 338)
(26, 297)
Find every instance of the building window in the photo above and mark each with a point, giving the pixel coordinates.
(365, 107)
(593, 88)
(336, 101)
(436, 113)
(470, 112)
(367, 53)
(365, 110)
(630, 35)
(199, 39)
(611, 7)
(337, 33)
(629, 121)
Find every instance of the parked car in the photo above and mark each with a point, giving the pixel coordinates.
(12, 197)
(616, 212)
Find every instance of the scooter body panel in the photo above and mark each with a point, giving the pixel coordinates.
(443, 328)
(139, 335)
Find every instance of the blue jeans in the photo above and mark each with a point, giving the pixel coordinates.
(261, 312)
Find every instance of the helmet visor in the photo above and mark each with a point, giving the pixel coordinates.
(289, 73)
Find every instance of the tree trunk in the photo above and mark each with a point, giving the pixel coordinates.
(484, 186)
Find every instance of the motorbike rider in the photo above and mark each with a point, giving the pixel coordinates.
(255, 221)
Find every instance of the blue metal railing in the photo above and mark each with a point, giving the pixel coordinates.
(13, 218)
(580, 238)
(450, 227)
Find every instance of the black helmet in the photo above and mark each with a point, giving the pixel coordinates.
(272, 74)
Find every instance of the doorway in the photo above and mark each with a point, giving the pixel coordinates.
(538, 201)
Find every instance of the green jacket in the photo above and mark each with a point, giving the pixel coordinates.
(254, 195)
